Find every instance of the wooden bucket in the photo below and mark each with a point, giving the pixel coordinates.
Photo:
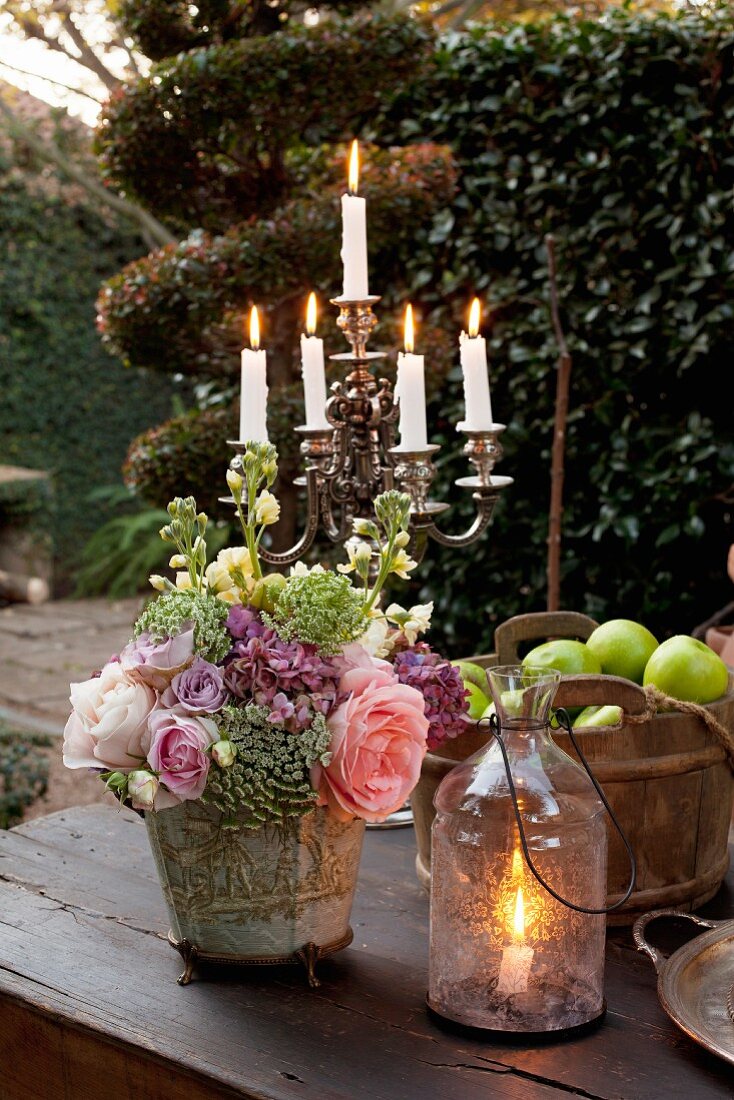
(667, 779)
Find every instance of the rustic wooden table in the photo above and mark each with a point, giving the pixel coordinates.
(90, 1008)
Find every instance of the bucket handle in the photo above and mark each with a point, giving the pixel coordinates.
(535, 626)
(565, 723)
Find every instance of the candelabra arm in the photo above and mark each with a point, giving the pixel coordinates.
(289, 557)
(485, 502)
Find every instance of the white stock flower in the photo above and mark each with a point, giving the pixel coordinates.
(413, 622)
(267, 508)
(300, 569)
(402, 564)
(183, 581)
(378, 639)
(158, 582)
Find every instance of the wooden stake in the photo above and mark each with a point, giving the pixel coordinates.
(563, 380)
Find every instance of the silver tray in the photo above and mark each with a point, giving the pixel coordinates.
(696, 984)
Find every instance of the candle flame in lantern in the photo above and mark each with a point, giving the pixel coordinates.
(254, 329)
(409, 329)
(354, 168)
(474, 318)
(518, 920)
(311, 314)
(516, 864)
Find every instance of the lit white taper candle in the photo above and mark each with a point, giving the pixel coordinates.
(312, 369)
(253, 387)
(410, 392)
(473, 348)
(354, 235)
(517, 958)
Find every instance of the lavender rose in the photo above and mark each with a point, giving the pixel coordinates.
(177, 751)
(199, 689)
(156, 663)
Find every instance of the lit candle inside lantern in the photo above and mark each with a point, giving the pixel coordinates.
(410, 392)
(253, 387)
(354, 235)
(312, 369)
(518, 957)
(473, 351)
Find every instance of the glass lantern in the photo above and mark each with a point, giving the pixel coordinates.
(506, 955)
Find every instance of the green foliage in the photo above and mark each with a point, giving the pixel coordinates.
(269, 779)
(168, 615)
(322, 609)
(24, 770)
(219, 118)
(162, 28)
(617, 136)
(180, 309)
(118, 558)
(66, 407)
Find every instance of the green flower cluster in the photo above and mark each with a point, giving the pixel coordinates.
(320, 608)
(167, 616)
(268, 780)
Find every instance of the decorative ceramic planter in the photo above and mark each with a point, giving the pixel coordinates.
(255, 896)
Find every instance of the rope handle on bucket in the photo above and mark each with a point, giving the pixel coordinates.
(565, 723)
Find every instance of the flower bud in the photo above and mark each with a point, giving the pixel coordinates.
(142, 787)
(166, 533)
(158, 582)
(178, 561)
(402, 539)
(224, 752)
(234, 480)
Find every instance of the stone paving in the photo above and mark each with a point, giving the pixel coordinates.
(42, 649)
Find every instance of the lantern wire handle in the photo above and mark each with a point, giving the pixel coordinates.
(565, 723)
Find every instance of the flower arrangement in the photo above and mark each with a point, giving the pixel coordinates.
(266, 695)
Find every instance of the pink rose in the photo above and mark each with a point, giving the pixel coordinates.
(108, 721)
(355, 655)
(176, 748)
(156, 663)
(378, 741)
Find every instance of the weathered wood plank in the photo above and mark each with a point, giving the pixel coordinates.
(84, 970)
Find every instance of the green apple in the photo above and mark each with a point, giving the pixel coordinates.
(472, 674)
(569, 657)
(598, 716)
(623, 647)
(477, 702)
(687, 669)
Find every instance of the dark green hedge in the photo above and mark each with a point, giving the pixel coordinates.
(66, 406)
(201, 139)
(618, 136)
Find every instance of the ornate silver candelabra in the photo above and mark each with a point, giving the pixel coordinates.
(355, 459)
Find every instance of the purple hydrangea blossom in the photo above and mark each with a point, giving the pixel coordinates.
(441, 686)
(293, 680)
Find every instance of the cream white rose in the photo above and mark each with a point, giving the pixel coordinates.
(108, 721)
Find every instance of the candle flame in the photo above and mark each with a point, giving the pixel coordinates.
(254, 329)
(474, 318)
(311, 314)
(518, 920)
(409, 339)
(354, 168)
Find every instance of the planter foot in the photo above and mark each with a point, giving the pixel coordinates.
(309, 955)
(188, 952)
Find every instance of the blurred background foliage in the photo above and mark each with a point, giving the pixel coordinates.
(612, 128)
(66, 406)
